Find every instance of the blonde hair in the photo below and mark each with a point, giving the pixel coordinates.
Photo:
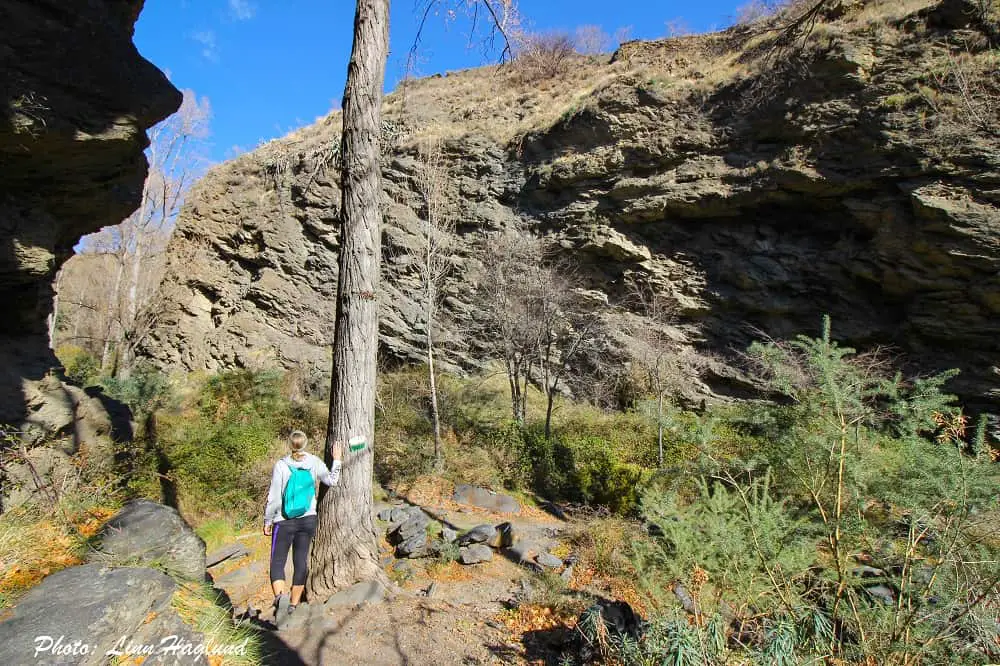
(297, 441)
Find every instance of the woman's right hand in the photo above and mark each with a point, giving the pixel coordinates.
(337, 450)
(267, 529)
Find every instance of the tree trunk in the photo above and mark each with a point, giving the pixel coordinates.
(550, 397)
(346, 547)
(659, 424)
(114, 307)
(435, 415)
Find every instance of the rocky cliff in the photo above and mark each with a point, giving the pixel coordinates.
(854, 171)
(75, 100)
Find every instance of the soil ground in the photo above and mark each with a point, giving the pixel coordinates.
(464, 620)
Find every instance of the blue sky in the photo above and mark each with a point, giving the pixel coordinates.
(270, 66)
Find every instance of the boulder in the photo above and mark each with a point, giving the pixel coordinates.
(233, 551)
(618, 618)
(485, 499)
(548, 560)
(475, 554)
(414, 526)
(882, 594)
(75, 616)
(366, 592)
(448, 534)
(413, 547)
(146, 532)
(398, 515)
(524, 551)
(478, 534)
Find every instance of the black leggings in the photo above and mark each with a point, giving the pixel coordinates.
(294, 533)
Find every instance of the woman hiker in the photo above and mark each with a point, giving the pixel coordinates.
(290, 516)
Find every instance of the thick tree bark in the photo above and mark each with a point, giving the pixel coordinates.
(346, 548)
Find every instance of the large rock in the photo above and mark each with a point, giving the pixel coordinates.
(475, 554)
(366, 592)
(150, 533)
(478, 534)
(75, 100)
(485, 499)
(75, 616)
(755, 203)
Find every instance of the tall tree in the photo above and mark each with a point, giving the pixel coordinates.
(346, 547)
(437, 229)
(656, 347)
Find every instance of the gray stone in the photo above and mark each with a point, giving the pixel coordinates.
(548, 560)
(303, 615)
(567, 573)
(146, 532)
(448, 534)
(240, 577)
(414, 526)
(918, 237)
(485, 499)
(385, 514)
(524, 551)
(478, 534)
(415, 546)
(366, 592)
(90, 604)
(240, 584)
(475, 554)
(882, 593)
(398, 515)
(233, 551)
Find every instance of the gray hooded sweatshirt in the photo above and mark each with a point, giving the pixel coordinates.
(281, 474)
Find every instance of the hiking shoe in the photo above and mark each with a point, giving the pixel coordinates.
(281, 604)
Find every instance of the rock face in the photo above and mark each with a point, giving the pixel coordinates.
(756, 199)
(152, 533)
(75, 100)
(77, 615)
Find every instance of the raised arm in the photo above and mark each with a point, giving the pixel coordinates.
(331, 476)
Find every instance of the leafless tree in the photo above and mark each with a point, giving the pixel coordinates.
(591, 40)
(568, 327)
(433, 182)
(511, 260)
(655, 347)
(118, 287)
(534, 319)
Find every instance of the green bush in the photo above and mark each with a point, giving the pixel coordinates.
(213, 446)
(144, 389)
(858, 469)
(80, 366)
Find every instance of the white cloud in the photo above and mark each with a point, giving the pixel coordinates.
(209, 47)
(242, 10)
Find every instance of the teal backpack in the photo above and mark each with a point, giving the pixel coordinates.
(299, 492)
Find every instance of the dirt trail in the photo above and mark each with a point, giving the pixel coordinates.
(460, 622)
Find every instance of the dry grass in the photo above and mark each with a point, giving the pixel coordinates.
(499, 103)
(35, 543)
